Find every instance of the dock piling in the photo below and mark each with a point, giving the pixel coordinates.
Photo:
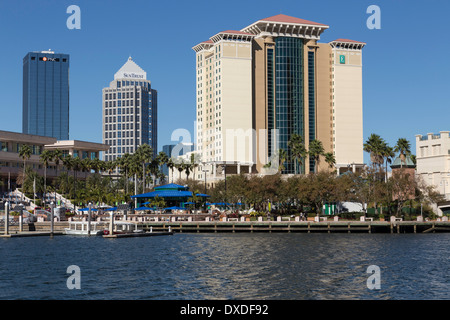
(6, 218)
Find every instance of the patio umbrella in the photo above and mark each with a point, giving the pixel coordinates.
(190, 202)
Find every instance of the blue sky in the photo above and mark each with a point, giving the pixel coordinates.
(405, 74)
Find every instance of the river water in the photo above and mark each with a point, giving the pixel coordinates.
(255, 266)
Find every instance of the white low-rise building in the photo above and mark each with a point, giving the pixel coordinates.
(433, 162)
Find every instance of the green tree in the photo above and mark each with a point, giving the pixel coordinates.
(298, 151)
(45, 157)
(171, 165)
(57, 158)
(315, 151)
(144, 155)
(330, 159)
(404, 148)
(389, 154)
(375, 146)
(25, 153)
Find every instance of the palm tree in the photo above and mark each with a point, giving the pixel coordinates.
(282, 157)
(315, 151)
(124, 164)
(298, 150)
(188, 167)
(144, 154)
(171, 165)
(404, 148)
(180, 166)
(68, 163)
(195, 160)
(375, 145)
(57, 157)
(25, 153)
(77, 165)
(330, 159)
(45, 157)
(389, 154)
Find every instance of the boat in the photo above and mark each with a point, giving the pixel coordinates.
(81, 228)
(123, 227)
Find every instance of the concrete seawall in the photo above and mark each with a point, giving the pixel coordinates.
(265, 226)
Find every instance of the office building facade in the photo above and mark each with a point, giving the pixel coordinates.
(46, 94)
(258, 86)
(11, 164)
(129, 112)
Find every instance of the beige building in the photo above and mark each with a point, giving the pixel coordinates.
(11, 164)
(258, 86)
(433, 162)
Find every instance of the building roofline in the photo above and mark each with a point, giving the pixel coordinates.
(347, 44)
(283, 25)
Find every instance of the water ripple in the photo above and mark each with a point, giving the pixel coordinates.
(227, 266)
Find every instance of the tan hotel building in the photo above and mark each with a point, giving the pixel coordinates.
(259, 85)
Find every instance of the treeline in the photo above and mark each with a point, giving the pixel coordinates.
(309, 193)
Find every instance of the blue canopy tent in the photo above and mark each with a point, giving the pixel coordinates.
(111, 209)
(202, 195)
(87, 209)
(173, 194)
(143, 209)
(175, 208)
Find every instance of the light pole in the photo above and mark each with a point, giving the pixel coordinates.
(52, 213)
(204, 173)
(89, 219)
(224, 169)
(6, 218)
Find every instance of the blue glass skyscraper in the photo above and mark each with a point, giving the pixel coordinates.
(46, 94)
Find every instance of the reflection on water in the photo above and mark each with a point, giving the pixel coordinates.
(227, 266)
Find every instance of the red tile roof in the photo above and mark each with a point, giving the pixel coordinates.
(288, 19)
(207, 41)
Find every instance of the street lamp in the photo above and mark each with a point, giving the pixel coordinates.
(204, 173)
(224, 170)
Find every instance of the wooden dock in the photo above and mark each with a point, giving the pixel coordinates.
(31, 234)
(303, 226)
(138, 234)
(155, 228)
